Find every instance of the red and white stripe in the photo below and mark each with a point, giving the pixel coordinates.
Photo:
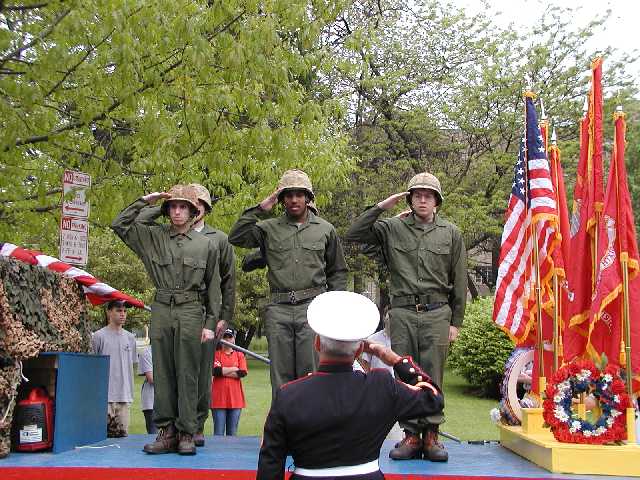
(96, 291)
(515, 284)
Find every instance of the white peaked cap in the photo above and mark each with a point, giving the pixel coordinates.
(345, 316)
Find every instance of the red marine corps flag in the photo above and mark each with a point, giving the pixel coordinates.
(617, 245)
(588, 199)
(96, 291)
(530, 218)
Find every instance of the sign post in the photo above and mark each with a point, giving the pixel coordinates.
(74, 224)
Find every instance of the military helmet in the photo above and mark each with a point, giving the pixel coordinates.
(295, 180)
(426, 180)
(185, 193)
(203, 194)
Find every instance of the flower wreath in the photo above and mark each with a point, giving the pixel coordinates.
(583, 377)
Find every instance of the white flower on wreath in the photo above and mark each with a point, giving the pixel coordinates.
(576, 425)
(616, 398)
(600, 430)
(584, 375)
(558, 398)
(587, 433)
(610, 421)
(607, 378)
(560, 414)
(615, 413)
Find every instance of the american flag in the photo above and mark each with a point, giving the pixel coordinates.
(531, 210)
(96, 291)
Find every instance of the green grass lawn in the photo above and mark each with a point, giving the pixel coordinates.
(467, 416)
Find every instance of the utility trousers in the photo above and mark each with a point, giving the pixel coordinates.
(290, 342)
(425, 336)
(175, 334)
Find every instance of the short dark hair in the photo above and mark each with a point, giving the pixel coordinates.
(116, 303)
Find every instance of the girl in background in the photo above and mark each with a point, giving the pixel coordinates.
(227, 396)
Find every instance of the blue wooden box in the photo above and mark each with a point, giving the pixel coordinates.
(79, 383)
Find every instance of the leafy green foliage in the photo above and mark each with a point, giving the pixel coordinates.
(142, 95)
(481, 349)
(431, 88)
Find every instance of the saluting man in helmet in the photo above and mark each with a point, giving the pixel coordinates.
(182, 264)
(225, 282)
(427, 262)
(304, 259)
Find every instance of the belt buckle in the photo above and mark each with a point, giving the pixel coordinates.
(292, 297)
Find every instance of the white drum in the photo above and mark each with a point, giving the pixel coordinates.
(510, 406)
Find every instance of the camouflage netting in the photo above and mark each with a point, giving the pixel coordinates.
(40, 311)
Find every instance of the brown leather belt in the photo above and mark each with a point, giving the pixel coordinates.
(296, 296)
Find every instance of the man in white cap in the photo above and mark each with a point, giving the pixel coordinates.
(320, 419)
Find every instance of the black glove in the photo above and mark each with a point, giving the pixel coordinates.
(410, 373)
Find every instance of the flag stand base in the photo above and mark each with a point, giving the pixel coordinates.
(537, 444)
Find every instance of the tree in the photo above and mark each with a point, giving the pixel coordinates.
(433, 89)
(144, 95)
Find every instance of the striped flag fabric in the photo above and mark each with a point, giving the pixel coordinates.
(96, 291)
(531, 216)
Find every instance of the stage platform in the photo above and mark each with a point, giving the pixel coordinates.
(236, 458)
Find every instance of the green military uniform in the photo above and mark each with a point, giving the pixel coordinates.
(183, 268)
(304, 261)
(428, 266)
(226, 280)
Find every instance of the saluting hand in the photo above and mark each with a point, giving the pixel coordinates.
(392, 201)
(268, 203)
(152, 198)
(385, 354)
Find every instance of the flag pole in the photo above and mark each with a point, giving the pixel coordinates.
(556, 294)
(557, 298)
(624, 263)
(540, 343)
(536, 254)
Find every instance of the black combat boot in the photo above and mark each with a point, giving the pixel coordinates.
(410, 447)
(433, 449)
(166, 441)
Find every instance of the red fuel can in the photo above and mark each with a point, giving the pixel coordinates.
(33, 422)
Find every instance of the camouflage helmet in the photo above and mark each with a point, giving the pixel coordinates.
(203, 195)
(186, 193)
(295, 180)
(426, 180)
